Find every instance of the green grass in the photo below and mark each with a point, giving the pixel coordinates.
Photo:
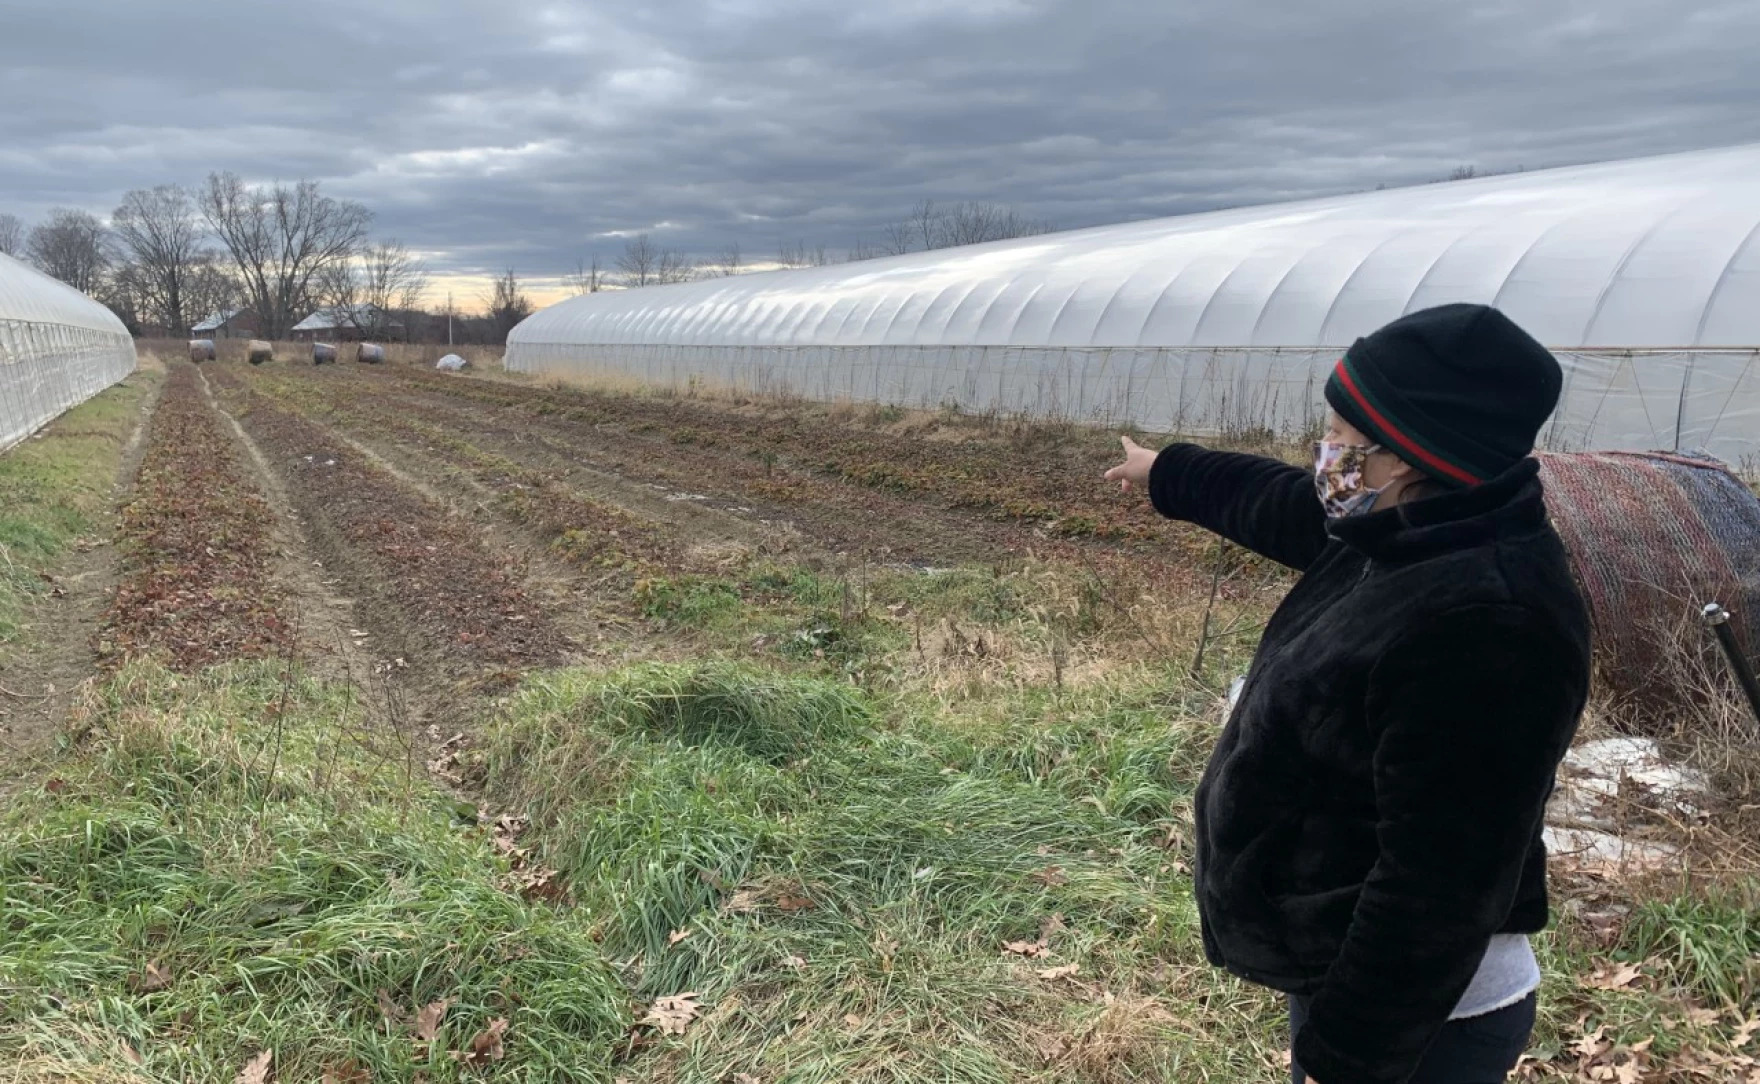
(54, 486)
(834, 871)
(240, 834)
(864, 622)
(831, 858)
(1707, 945)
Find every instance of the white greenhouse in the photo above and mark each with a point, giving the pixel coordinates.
(1643, 276)
(58, 348)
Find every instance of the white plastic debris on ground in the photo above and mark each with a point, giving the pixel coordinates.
(452, 363)
(1612, 793)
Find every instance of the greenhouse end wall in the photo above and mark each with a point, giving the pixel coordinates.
(1636, 400)
(47, 369)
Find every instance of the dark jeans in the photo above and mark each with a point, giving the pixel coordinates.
(1477, 1050)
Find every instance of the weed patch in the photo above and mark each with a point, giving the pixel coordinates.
(843, 884)
(236, 866)
(54, 486)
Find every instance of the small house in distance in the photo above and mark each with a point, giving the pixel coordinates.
(349, 324)
(229, 324)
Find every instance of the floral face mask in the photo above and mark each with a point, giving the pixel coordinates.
(1338, 477)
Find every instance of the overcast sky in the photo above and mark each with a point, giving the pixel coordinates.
(494, 133)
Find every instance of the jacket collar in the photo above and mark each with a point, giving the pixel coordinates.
(1508, 505)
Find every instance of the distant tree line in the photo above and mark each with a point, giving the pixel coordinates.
(1465, 173)
(643, 262)
(171, 256)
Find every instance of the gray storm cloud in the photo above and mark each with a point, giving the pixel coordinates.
(496, 134)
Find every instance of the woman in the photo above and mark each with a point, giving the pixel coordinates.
(1368, 828)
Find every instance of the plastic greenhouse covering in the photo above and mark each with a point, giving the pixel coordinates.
(58, 348)
(1643, 276)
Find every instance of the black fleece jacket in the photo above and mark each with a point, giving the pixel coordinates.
(1372, 812)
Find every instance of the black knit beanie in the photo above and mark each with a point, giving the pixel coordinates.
(1458, 391)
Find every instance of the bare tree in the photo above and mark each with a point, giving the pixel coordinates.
(673, 267)
(924, 225)
(370, 291)
(392, 283)
(863, 250)
(281, 238)
(640, 262)
(973, 223)
(507, 305)
(928, 226)
(120, 291)
(800, 254)
(726, 263)
(162, 233)
(11, 236)
(73, 247)
(898, 238)
(210, 289)
(587, 277)
(336, 288)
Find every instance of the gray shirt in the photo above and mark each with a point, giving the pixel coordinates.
(1508, 973)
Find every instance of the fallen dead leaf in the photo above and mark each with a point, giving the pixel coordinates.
(1605, 925)
(1029, 949)
(672, 1014)
(152, 977)
(427, 1023)
(1744, 1033)
(676, 936)
(391, 1010)
(852, 1020)
(347, 1072)
(1064, 972)
(1593, 1043)
(793, 903)
(1702, 1017)
(794, 963)
(1613, 978)
(745, 1078)
(1053, 924)
(485, 1045)
(1050, 876)
(255, 1071)
(742, 902)
(539, 883)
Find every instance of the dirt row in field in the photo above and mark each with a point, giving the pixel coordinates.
(1038, 475)
(198, 583)
(710, 474)
(429, 590)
